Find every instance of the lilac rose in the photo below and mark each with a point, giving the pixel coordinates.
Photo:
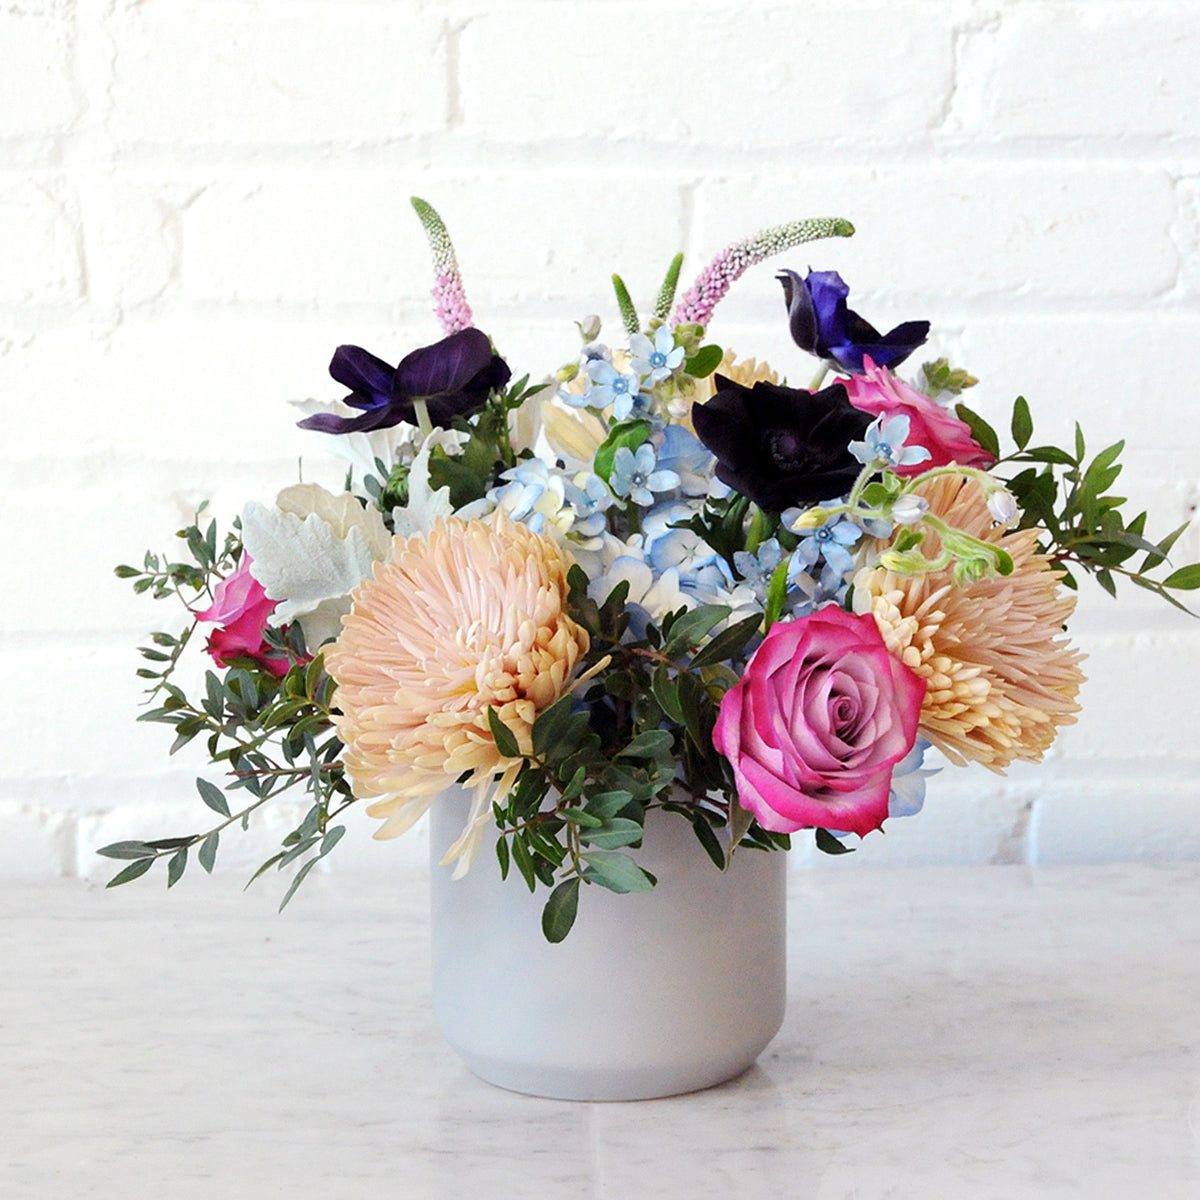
(818, 721)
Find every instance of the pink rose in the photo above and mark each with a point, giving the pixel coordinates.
(817, 722)
(947, 438)
(240, 608)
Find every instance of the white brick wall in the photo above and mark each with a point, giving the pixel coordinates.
(199, 199)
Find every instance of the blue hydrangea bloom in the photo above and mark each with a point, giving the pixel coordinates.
(679, 450)
(907, 794)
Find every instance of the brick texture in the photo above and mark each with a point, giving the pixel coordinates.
(200, 199)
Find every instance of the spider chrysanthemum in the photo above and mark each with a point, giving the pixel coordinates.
(471, 617)
(1002, 679)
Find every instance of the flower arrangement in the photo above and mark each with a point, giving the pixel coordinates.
(659, 578)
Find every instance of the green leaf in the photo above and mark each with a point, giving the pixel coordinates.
(981, 431)
(1048, 454)
(620, 831)
(297, 880)
(1163, 548)
(580, 817)
(176, 866)
(704, 362)
(265, 867)
(697, 716)
(607, 804)
(207, 854)
(524, 863)
(212, 796)
(506, 741)
(131, 872)
(628, 433)
(828, 844)
(551, 728)
(127, 850)
(1185, 578)
(1022, 422)
(502, 856)
(728, 643)
(561, 908)
(666, 691)
(331, 839)
(688, 629)
(650, 744)
(617, 872)
(708, 840)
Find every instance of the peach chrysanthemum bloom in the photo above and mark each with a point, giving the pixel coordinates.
(1001, 677)
(471, 616)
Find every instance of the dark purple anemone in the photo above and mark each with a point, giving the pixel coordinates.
(823, 325)
(454, 377)
(781, 446)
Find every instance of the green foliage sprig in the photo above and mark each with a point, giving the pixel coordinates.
(580, 801)
(1066, 497)
(274, 734)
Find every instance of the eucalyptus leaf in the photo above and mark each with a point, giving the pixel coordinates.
(207, 854)
(176, 866)
(212, 796)
(297, 880)
(127, 850)
(133, 871)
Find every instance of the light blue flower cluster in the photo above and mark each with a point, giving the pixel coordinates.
(629, 391)
(631, 515)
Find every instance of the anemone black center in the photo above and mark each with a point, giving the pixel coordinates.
(787, 449)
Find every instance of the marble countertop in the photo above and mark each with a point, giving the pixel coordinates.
(967, 1033)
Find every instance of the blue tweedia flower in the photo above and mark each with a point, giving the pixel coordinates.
(637, 475)
(590, 497)
(883, 444)
(829, 542)
(907, 793)
(679, 450)
(655, 360)
(609, 386)
(758, 569)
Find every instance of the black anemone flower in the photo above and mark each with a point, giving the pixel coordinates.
(822, 324)
(453, 377)
(781, 446)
